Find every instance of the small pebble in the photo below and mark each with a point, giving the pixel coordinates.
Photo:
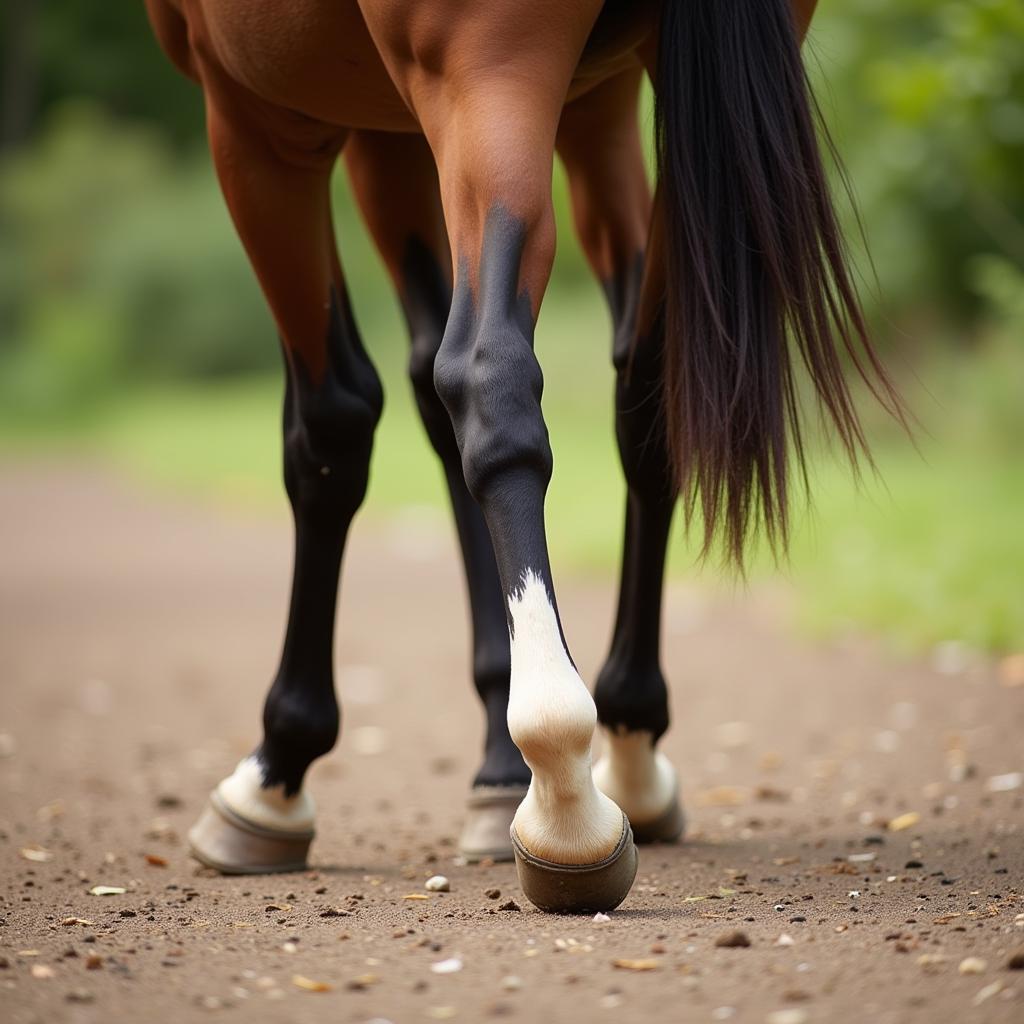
(511, 983)
(793, 1015)
(600, 918)
(449, 966)
(492, 894)
(1016, 961)
(972, 965)
(733, 940)
(437, 883)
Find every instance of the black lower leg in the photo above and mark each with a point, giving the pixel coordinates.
(328, 435)
(631, 693)
(426, 299)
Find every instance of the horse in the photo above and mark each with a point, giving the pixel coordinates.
(448, 116)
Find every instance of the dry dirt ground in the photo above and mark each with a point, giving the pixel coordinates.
(855, 817)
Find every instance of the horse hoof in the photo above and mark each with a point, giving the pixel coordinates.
(666, 828)
(227, 842)
(578, 888)
(489, 813)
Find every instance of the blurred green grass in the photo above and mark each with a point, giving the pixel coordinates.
(929, 550)
(132, 330)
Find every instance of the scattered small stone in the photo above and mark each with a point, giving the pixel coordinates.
(904, 821)
(972, 965)
(511, 983)
(1005, 783)
(785, 940)
(450, 966)
(79, 995)
(127, 913)
(154, 860)
(911, 864)
(862, 858)
(168, 801)
(43, 972)
(67, 922)
(791, 1015)
(492, 893)
(437, 883)
(511, 906)
(600, 918)
(441, 1012)
(93, 962)
(733, 940)
(1016, 961)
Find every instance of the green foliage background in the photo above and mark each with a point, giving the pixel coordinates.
(130, 325)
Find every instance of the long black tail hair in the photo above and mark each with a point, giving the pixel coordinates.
(755, 266)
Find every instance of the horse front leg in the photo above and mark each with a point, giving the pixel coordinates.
(260, 818)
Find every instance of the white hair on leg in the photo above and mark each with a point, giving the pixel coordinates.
(551, 718)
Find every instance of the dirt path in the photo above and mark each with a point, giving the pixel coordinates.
(136, 639)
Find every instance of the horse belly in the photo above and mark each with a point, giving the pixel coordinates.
(309, 56)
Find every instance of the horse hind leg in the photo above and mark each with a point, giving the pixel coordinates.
(394, 179)
(260, 818)
(599, 142)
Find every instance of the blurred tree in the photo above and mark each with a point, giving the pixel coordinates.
(927, 103)
(103, 51)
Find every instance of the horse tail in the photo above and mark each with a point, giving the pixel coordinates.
(754, 256)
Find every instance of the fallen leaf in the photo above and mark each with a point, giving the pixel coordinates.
(416, 896)
(636, 965)
(36, 854)
(361, 982)
(69, 921)
(904, 821)
(309, 985)
(722, 796)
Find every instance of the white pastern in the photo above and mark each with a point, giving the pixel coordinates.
(243, 791)
(551, 718)
(638, 778)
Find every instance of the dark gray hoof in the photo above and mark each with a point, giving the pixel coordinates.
(578, 888)
(666, 828)
(489, 814)
(227, 842)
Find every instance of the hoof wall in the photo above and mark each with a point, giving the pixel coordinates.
(223, 840)
(578, 888)
(666, 828)
(489, 814)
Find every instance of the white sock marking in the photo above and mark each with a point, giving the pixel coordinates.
(244, 793)
(638, 778)
(551, 718)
